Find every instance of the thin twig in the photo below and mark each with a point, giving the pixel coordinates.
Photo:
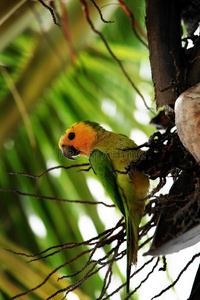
(178, 277)
(100, 13)
(69, 246)
(124, 284)
(134, 23)
(51, 12)
(145, 279)
(48, 170)
(39, 285)
(86, 12)
(66, 30)
(55, 199)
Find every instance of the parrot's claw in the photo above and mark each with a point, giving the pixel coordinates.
(130, 168)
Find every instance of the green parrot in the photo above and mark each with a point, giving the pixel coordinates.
(105, 152)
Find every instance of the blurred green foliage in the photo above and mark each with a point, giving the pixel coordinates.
(55, 92)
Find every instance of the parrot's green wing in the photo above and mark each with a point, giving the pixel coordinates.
(102, 167)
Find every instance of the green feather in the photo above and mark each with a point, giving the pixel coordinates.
(102, 167)
(95, 126)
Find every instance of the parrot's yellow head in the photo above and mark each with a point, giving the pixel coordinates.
(80, 139)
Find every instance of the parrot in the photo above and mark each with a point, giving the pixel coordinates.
(105, 151)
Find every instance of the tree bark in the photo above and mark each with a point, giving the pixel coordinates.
(164, 38)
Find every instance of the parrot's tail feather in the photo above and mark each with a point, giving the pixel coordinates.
(132, 247)
(128, 273)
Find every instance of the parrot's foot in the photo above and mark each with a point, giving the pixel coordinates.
(130, 168)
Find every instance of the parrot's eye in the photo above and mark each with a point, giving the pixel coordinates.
(71, 135)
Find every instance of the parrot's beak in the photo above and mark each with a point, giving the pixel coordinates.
(69, 152)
